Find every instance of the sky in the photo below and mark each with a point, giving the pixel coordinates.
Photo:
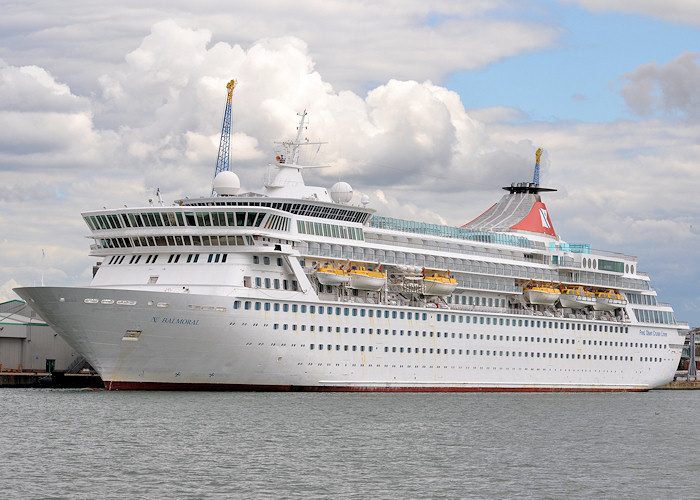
(427, 107)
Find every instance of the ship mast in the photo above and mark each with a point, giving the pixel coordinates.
(297, 143)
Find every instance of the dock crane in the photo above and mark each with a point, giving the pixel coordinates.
(222, 160)
(536, 178)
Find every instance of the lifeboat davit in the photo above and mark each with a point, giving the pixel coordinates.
(439, 284)
(329, 275)
(367, 279)
(544, 295)
(609, 300)
(576, 298)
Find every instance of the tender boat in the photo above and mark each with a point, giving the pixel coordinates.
(576, 297)
(439, 284)
(329, 275)
(367, 279)
(545, 295)
(609, 300)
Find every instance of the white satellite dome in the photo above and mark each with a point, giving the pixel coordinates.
(341, 192)
(226, 183)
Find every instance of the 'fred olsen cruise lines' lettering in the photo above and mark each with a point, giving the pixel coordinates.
(296, 287)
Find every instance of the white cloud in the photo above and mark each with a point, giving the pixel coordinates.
(6, 292)
(356, 44)
(681, 11)
(672, 89)
(152, 118)
(157, 126)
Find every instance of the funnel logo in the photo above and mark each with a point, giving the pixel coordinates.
(543, 216)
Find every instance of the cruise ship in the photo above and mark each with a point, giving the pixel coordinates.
(296, 287)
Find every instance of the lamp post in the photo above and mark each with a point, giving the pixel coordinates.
(692, 371)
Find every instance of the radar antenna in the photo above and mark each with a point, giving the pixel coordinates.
(292, 149)
(222, 160)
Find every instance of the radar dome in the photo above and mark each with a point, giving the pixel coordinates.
(341, 192)
(364, 200)
(226, 183)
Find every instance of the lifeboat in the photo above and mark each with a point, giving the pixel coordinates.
(609, 300)
(439, 284)
(545, 295)
(576, 297)
(367, 279)
(329, 275)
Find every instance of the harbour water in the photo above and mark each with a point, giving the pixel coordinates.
(98, 444)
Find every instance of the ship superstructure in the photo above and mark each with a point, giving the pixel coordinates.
(295, 287)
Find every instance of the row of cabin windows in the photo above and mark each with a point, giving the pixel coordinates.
(273, 283)
(329, 230)
(647, 316)
(474, 336)
(184, 240)
(460, 318)
(185, 219)
(476, 301)
(641, 299)
(266, 260)
(354, 311)
(172, 259)
(483, 352)
(346, 347)
(340, 311)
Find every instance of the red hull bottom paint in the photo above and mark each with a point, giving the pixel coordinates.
(166, 386)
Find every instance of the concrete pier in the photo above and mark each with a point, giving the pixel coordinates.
(680, 385)
(56, 380)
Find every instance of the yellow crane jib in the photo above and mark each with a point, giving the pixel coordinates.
(230, 86)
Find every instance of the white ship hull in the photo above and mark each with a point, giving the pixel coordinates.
(158, 340)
